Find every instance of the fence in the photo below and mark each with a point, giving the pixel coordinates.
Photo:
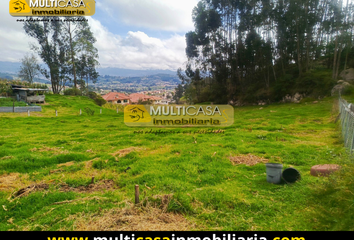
(21, 109)
(346, 111)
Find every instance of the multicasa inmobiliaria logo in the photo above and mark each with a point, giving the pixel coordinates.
(176, 116)
(40, 8)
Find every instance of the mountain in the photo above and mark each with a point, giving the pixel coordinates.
(14, 67)
(10, 67)
(121, 72)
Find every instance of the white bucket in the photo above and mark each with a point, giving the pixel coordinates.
(274, 172)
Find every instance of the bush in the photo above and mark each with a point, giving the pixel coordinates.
(89, 111)
(100, 101)
(73, 92)
(97, 98)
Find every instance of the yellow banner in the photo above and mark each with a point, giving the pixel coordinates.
(59, 8)
(177, 116)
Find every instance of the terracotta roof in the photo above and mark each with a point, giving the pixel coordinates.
(112, 96)
(135, 97)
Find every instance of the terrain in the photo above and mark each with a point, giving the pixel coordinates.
(78, 172)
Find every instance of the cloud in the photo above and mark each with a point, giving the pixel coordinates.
(13, 41)
(137, 50)
(167, 15)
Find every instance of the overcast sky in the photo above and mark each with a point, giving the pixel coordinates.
(133, 34)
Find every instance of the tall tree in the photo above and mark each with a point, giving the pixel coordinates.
(51, 48)
(80, 41)
(61, 44)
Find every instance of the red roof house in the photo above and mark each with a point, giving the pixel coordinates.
(135, 97)
(115, 97)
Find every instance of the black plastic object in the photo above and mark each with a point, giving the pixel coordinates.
(291, 175)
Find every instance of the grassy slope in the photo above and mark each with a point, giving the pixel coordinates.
(206, 187)
(8, 102)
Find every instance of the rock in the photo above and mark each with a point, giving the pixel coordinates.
(297, 98)
(294, 99)
(339, 87)
(347, 75)
(324, 169)
(261, 103)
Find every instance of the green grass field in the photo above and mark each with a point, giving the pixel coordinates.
(188, 181)
(8, 102)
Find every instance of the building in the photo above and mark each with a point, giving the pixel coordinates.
(29, 95)
(136, 97)
(117, 98)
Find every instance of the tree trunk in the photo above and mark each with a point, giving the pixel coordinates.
(72, 55)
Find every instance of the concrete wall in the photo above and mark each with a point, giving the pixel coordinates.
(37, 98)
(21, 109)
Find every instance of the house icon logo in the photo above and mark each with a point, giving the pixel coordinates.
(136, 114)
(19, 6)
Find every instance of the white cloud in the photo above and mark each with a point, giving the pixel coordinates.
(13, 41)
(137, 50)
(167, 15)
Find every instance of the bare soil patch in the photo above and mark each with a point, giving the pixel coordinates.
(93, 187)
(31, 188)
(123, 152)
(10, 182)
(56, 150)
(248, 159)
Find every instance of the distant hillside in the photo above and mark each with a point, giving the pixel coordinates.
(114, 78)
(14, 67)
(10, 67)
(132, 73)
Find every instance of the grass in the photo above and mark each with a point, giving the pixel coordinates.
(186, 175)
(8, 102)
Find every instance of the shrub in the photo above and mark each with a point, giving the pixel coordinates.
(89, 111)
(97, 98)
(73, 92)
(100, 101)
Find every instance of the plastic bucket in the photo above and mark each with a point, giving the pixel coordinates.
(291, 175)
(274, 172)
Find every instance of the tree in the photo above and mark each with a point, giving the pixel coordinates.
(244, 49)
(62, 45)
(29, 68)
(179, 93)
(81, 52)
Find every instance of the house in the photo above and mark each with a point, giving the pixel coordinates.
(117, 98)
(29, 95)
(136, 97)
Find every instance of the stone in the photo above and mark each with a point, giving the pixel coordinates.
(324, 169)
(339, 87)
(347, 75)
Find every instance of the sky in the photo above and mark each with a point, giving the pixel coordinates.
(131, 34)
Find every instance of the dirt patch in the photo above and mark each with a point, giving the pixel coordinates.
(133, 219)
(123, 152)
(6, 158)
(248, 159)
(9, 182)
(67, 164)
(95, 187)
(31, 188)
(56, 150)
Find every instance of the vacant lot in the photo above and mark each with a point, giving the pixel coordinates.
(188, 180)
